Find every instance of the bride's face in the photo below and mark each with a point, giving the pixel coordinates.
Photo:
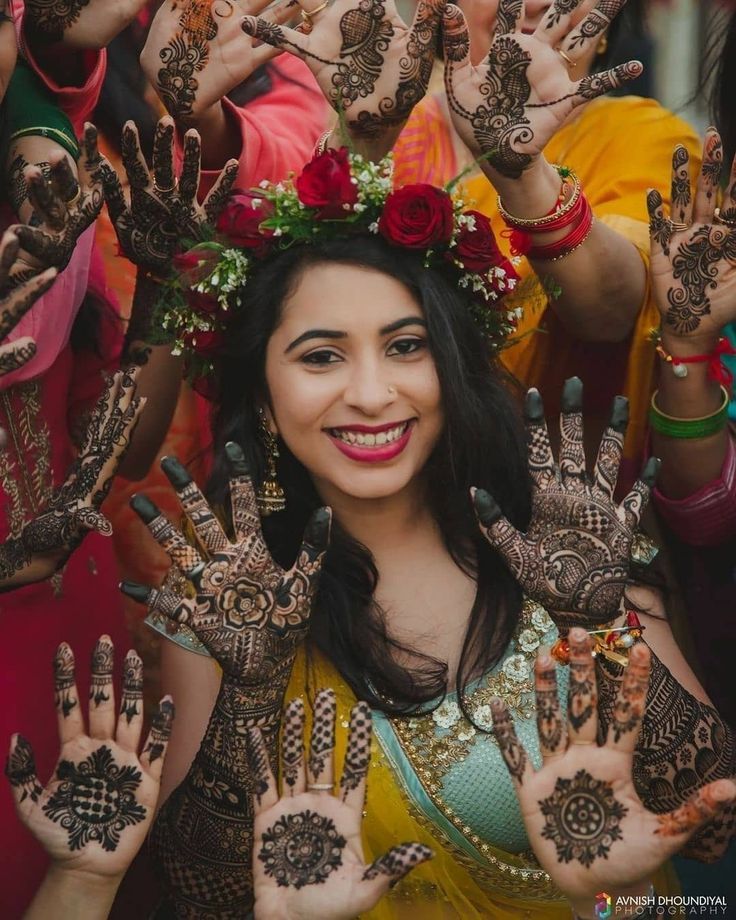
(353, 387)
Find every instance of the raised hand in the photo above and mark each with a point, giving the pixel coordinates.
(163, 208)
(370, 65)
(574, 557)
(693, 265)
(512, 103)
(15, 305)
(94, 813)
(74, 509)
(248, 612)
(586, 824)
(80, 23)
(307, 855)
(65, 205)
(196, 51)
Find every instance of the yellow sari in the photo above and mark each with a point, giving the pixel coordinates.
(619, 148)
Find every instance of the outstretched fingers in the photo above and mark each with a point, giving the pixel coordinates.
(277, 36)
(181, 553)
(20, 768)
(455, 43)
(611, 450)
(357, 758)
(588, 31)
(101, 692)
(550, 724)
(21, 299)
(134, 162)
(598, 84)
(265, 789)
(681, 197)
(220, 192)
(66, 697)
(293, 769)
(162, 157)
(631, 701)
(677, 826)
(632, 507)
(130, 717)
(386, 871)
(512, 750)
(163, 601)
(499, 532)
(196, 507)
(542, 466)
(582, 697)
(191, 162)
(507, 17)
(572, 448)
(660, 227)
(321, 765)
(709, 178)
(246, 519)
(154, 750)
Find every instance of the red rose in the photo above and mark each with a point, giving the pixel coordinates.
(195, 264)
(204, 344)
(417, 216)
(477, 248)
(326, 183)
(205, 304)
(240, 221)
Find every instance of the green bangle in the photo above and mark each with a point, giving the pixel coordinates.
(703, 427)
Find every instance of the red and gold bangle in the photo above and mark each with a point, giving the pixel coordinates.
(553, 252)
(612, 643)
(321, 145)
(555, 219)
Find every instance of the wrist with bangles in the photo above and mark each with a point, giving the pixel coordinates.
(572, 212)
(611, 642)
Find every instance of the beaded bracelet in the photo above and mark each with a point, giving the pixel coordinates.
(612, 642)
(702, 427)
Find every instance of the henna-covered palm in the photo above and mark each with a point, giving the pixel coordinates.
(163, 208)
(95, 811)
(307, 854)
(586, 824)
(249, 613)
(694, 269)
(15, 305)
(370, 65)
(80, 23)
(196, 51)
(574, 557)
(65, 205)
(47, 541)
(509, 106)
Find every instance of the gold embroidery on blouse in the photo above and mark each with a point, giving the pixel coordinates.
(433, 754)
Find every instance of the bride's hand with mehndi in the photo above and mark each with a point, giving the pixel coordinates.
(371, 66)
(574, 558)
(586, 824)
(508, 107)
(249, 612)
(307, 852)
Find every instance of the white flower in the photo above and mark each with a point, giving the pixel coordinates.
(466, 733)
(256, 203)
(516, 668)
(528, 640)
(483, 716)
(446, 714)
(541, 620)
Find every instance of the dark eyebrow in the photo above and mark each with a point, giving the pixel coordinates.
(315, 334)
(335, 334)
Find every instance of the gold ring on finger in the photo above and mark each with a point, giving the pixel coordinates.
(165, 191)
(729, 222)
(307, 16)
(566, 58)
(320, 787)
(679, 228)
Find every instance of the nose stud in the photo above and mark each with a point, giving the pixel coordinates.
(392, 391)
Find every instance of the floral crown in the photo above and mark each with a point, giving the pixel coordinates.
(338, 193)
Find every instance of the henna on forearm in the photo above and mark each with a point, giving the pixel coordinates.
(49, 19)
(683, 745)
(203, 837)
(142, 326)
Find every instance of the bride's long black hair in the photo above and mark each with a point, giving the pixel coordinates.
(482, 444)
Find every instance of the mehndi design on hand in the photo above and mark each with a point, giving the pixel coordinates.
(371, 66)
(65, 204)
(94, 812)
(80, 23)
(585, 821)
(574, 558)
(74, 509)
(163, 207)
(694, 251)
(310, 837)
(507, 107)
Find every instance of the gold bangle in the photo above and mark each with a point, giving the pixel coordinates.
(702, 418)
(536, 223)
(321, 146)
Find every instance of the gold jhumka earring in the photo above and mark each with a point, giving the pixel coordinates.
(270, 497)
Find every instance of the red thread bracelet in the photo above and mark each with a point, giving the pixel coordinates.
(716, 369)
